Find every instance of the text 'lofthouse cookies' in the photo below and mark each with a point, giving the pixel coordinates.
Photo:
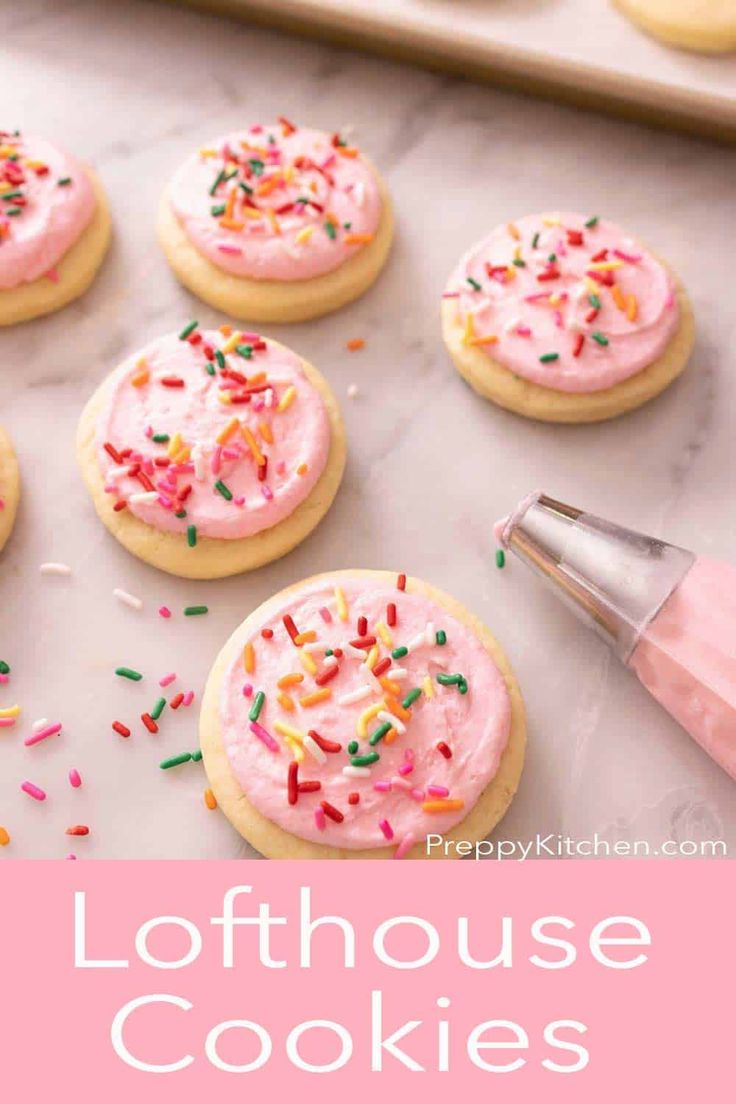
(9, 487)
(356, 713)
(566, 318)
(276, 223)
(208, 453)
(54, 227)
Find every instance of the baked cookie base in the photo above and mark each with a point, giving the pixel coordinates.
(212, 558)
(274, 300)
(495, 382)
(273, 841)
(688, 24)
(9, 487)
(76, 269)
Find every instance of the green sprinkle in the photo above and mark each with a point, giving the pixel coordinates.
(448, 680)
(595, 301)
(218, 181)
(12, 211)
(378, 735)
(11, 195)
(473, 283)
(353, 747)
(246, 187)
(158, 708)
(129, 673)
(245, 351)
(257, 706)
(4, 667)
(330, 230)
(197, 755)
(195, 611)
(188, 330)
(64, 182)
(220, 358)
(518, 262)
(440, 637)
(592, 222)
(160, 438)
(411, 697)
(547, 358)
(329, 652)
(552, 258)
(365, 760)
(257, 166)
(191, 535)
(210, 368)
(180, 514)
(347, 226)
(600, 338)
(500, 557)
(463, 686)
(224, 490)
(399, 653)
(217, 210)
(535, 241)
(176, 760)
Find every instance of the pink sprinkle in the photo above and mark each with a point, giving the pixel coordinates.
(52, 275)
(224, 248)
(71, 858)
(438, 791)
(382, 787)
(558, 319)
(164, 501)
(630, 258)
(670, 300)
(33, 791)
(523, 331)
(148, 465)
(4, 678)
(216, 457)
(325, 614)
(239, 500)
(320, 819)
(164, 611)
(280, 467)
(451, 295)
(405, 845)
(250, 336)
(409, 754)
(148, 431)
(167, 680)
(386, 829)
(267, 492)
(7, 722)
(231, 453)
(406, 768)
(75, 778)
(266, 737)
(536, 297)
(188, 698)
(418, 794)
(248, 690)
(42, 734)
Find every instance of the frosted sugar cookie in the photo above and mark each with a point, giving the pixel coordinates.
(54, 227)
(354, 714)
(566, 318)
(9, 487)
(209, 453)
(707, 25)
(276, 223)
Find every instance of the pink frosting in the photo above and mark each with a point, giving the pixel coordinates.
(51, 202)
(301, 202)
(687, 658)
(411, 770)
(565, 301)
(176, 385)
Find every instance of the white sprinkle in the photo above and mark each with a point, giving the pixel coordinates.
(199, 461)
(353, 391)
(359, 653)
(42, 722)
(429, 633)
(416, 642)
(357, 772)
(314, 749)
(397, 673)
(128, 599)
(143, 498)
(388, 718)
(55, 569)
(355, 695)
(510, 326)
(398, 783)
(359, 194)
(269, 397)
(314, 646)
(117, 473)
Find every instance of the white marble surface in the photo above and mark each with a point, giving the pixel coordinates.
(132, 87)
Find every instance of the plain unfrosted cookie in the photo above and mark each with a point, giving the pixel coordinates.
(276, 223)
(54, 228)
(9, 487)
(565, 318)
(202, 487)
(706, 25)
(269, 704)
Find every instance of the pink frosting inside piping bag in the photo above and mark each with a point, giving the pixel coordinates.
(686, 658)
(583, 308)
(298, 200)
(282, 405)
(475, 725)
(54, 205)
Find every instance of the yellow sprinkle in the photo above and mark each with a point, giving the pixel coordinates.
(324, 694)
(551, 220)
(175, 444)
(428, 688)
(555, 299)
(592, 285)
(253, 445)
(307, 637)
(382, 630)
(206, 152)
(10, 711)
(275, 224)
(226, 433)
(517, 253)
(286, 399)
(469, 332)
(286, 702)
(366, 716)
(182, 455)
(605, 266)
(513, 231)
(224, 397)
(249, 658)
(632, 308)
(443, 805)
(4, 837)
(304, 235)
(342, 605)
(231, 343)
(265, 431)
(290, 680)
(296, 749)
(307, 662)
(289, 732)
(372, 658)
(210, 800)
(511, 273)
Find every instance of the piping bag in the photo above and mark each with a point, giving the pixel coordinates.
(669, 615)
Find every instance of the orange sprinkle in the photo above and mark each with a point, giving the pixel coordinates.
(290, 680)
(443, 805)
(302, 469)
(390, 736)
(259, 377)
(357, 239)
(225, 329)
(286, 702)
(390, 686)
(226, 433)
(249, 658)
(230, 204)
(318, 696)
(307, 637)
(252, 445)
(347, 151)
(489, 339)
(632, 308)
(275, 224)
(210, 800)
(618, 297)
(140, 378)
(355, 343)
(231, 224)
(265, 431)
(397, 709)
(4, 837)
(513, 231)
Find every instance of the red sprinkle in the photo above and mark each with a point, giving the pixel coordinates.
(353, 798)
(391, 614)
(331, 812)
(293, 782)
(363, 642)
(577, 348)
(113, 452)
(601, 256)
(362, 626)
(176, 700)
(401, 582)
(323, 743)
(327, 675)
(575, 237)
(120, 505)
(382, 666)
(267, 634)
(290, 627)
(309, 787)
(172, 381)
(443, 749)
(78, 830)
(121, 729)
(149, 722)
